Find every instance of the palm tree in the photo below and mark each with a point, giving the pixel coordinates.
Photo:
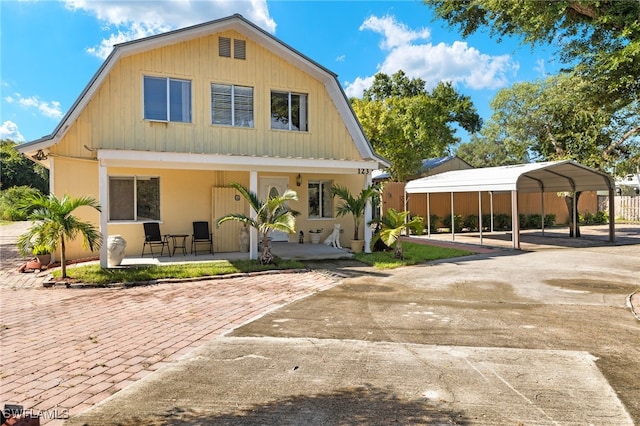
(271, 215)
(54, 224)
(392, 224)
(353, 205)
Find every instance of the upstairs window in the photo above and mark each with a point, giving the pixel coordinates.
(134, 198)
(232, 105)
(320, 199)
(167, 99)
(289, 111)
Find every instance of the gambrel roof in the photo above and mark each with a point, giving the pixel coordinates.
(241, 25)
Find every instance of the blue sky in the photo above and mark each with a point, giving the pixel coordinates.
(51, 49)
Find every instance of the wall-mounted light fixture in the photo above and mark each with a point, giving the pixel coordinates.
(298, 180)
(40, 155)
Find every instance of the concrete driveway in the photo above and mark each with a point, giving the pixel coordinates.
(532, 337)
(539, 337)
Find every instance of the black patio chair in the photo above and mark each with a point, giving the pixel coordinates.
(153, 238)
(201, 235)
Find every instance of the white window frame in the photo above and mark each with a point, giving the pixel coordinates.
(234, 122)
(321, 202)
(303, 115)
(168, 118)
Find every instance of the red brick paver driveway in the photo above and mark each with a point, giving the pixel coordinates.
(64, 350)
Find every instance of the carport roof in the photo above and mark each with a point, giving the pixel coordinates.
(551, 176)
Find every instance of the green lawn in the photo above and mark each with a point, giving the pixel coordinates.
(413, 254)
(94, 274)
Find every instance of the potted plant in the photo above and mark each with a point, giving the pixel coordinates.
(315, 235)
(42, 252)
(354, 205)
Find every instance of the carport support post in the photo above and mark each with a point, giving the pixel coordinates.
(453, 221)
(480, 215)
(428, 215)
(575, 215)
(612, 215)
(515, 221)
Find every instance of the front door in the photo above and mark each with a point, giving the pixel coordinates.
(274, 186)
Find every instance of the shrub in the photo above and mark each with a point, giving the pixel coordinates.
(549, 219)
(534, 221)
(9, 201)
(601, 217)
(502, 222)
(458, 222)
(471, 222)
(434, 222)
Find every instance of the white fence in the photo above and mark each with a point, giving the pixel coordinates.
(625, 207)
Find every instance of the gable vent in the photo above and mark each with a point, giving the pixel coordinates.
(239, 49)
(224, 47)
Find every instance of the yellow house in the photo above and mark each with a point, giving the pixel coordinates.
(169, 121)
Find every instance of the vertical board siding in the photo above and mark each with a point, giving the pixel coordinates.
(113, 119)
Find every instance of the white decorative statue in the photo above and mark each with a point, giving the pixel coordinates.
(334, 238)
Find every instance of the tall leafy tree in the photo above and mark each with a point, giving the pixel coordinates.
(54, 224)
(486, 151)
(597, 40)
(555, 119)
(407, 124)
(17, 170)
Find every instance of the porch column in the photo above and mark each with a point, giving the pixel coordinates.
(253, 232)
(367, 217)
(103, 194)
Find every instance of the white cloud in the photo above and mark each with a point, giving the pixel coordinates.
(48, 109)
(137, 19)
(395, 33)
(457, 63)
(9, 130)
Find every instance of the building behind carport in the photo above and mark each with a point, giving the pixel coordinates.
(547, 177)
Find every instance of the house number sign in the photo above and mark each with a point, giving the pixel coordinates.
(364, 171)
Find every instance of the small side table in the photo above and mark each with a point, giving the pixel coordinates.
(179, 241)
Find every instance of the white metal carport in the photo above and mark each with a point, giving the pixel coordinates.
(552, 176)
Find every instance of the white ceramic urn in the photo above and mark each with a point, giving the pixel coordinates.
(116, 246)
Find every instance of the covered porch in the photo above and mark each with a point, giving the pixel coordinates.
(283, 250)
